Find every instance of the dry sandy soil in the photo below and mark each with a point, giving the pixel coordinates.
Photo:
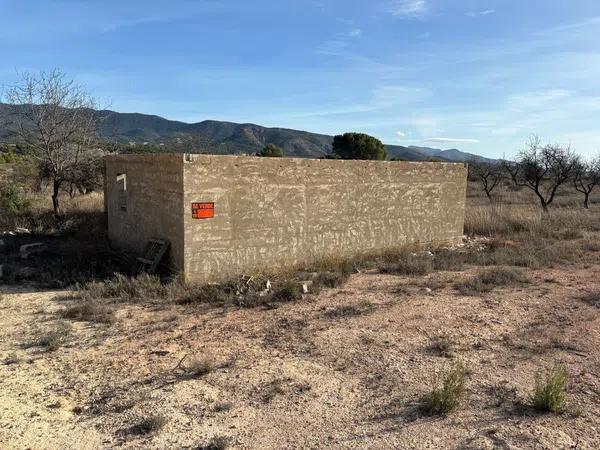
(344, 369)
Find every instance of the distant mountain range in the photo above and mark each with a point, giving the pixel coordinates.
(211, 136)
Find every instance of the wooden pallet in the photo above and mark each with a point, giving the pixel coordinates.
(153, 253)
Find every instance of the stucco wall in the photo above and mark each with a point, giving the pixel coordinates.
(154, 202)
(271, 212)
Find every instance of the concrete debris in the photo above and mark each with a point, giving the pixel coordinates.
(30, 249)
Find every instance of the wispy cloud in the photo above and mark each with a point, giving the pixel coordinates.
(483, 13)
(444, 140)
(357, 32)
(408, 8)
(400, 134)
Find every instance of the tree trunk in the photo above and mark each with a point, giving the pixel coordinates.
(55, 203)
(586, 199)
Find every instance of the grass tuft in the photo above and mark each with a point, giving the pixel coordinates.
(89, 311)
(488, 279)
(549, 394)
(448, 391)
(407, 264)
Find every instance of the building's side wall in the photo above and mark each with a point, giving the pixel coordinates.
(271, 212)
(154, 202)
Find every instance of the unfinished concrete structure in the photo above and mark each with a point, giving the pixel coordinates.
(226, 215)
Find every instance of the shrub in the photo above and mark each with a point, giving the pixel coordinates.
(488, 279)
(549, 392)
(11, 200)
(407, 264)
(51, 340)
(89, 311)
(216, 443)
(123, 288)
(448, 391)
(272, 151)
(288, 291)
(199, 367)
(330, 279)
(362, 307)
(148, 425)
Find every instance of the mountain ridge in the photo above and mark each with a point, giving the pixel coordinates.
(224, 137)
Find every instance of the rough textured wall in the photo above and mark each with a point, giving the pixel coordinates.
(154, 202)
(279, 211)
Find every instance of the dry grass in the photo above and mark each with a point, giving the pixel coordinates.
(90, 310)
(488, 279)
(52, 339)
(411, 264)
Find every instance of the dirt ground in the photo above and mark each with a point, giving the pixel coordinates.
(345, 369)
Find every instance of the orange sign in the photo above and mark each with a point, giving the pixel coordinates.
(203, 210)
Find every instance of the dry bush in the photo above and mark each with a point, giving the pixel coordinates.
(441, 346)
(148, 425)
(124, 289)
(198, 367)
(51, 340)
(91, 310)
(412, 264)
(287, 291)
(448, 390)
(216, 443)
(488, 279)
(362, 307)
(549, 394)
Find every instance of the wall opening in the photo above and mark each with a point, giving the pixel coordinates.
(122, 191)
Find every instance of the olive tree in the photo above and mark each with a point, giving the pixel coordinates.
(358, 146)
(55, 118)
(586, 178)
(543, 168)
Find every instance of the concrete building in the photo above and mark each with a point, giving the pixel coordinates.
(227, 215)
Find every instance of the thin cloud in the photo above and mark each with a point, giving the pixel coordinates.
(400, 134)
(409, 8)
(444, 140)
(357, 32)
(484, 13)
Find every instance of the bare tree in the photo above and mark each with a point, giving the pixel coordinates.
(586, 178)
(489, 175)
(543, 169)
(56, 119)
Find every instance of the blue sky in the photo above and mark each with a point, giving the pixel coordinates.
(479, 75)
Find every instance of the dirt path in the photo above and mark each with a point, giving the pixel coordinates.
(346, 369)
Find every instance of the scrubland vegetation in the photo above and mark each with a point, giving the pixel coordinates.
(496, 336)
(493, 331)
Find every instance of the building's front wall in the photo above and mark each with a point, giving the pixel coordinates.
(144, 200)
(275, 212)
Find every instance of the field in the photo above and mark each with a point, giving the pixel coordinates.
(137, 364)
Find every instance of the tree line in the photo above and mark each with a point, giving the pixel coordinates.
(543, 169)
